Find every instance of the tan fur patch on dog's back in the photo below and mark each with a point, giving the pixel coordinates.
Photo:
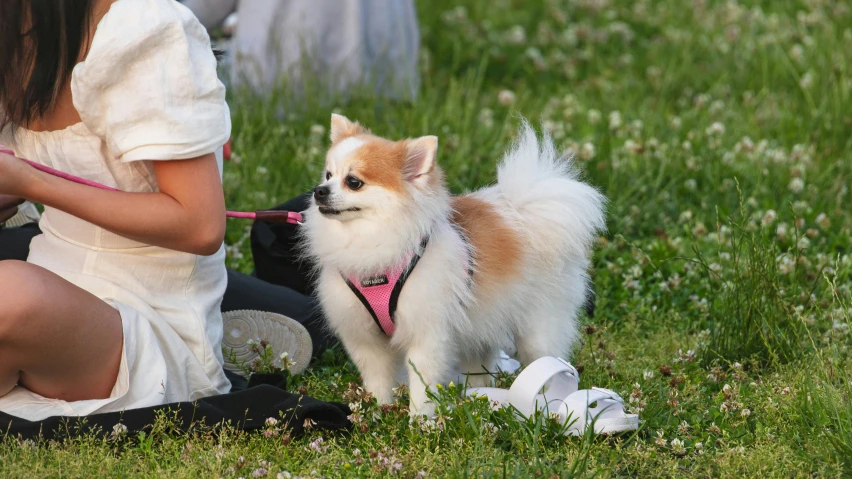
(497, 249)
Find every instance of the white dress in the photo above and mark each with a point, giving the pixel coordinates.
(147, 91)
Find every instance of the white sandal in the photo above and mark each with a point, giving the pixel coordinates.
(608, 415)
(283, 334)
(558, 382)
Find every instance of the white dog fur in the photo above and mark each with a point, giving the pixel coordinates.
(530, 237)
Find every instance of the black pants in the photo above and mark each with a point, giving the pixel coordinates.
(243, 291)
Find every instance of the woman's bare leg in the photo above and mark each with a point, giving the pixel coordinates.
(56, 339)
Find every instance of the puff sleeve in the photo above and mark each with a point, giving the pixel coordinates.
(149, 86)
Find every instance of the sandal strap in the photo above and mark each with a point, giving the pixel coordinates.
(524, 393)
(577, 405)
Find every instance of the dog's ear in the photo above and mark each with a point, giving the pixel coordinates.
(420, 155)
(342, 128)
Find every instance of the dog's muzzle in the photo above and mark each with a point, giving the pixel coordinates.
(322, 194)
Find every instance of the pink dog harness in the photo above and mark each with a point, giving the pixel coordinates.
(380, 293)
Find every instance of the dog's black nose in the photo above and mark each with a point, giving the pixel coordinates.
(321, 194)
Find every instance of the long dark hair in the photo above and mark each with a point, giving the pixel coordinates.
(40, 43)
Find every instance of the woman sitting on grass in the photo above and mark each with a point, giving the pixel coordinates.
(118, 304)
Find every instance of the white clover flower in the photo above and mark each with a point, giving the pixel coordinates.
(807, 80)
(587, 151)
(797, 52)
(660, 440)
(489, 428)
(430, 426)
(745, 412)
(286, 362)
(516, 35)
(506, 97)
(786, 265)
(716, 107)
(284, 475)
(317, 130)
(119, 430)
(781, 231)
(594, 116)
(648, 375)
(636, 126)
(823, 221)
(768, 217)
(715, 129)
(804, 243)
(486, 117)
(271, 421)
(615, 121)
(317, 445)
(676, 123)
(800, 207)
(677, 447)
(233, 252)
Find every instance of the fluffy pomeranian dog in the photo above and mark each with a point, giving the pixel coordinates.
(413, 278)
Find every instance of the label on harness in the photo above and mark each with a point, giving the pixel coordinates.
(374, 281)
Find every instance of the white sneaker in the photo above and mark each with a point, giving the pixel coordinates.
(27, 213)
(283, 334)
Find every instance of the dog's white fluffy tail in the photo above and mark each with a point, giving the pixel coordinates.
(562, 213)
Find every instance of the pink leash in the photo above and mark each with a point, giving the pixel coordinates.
(271, 216)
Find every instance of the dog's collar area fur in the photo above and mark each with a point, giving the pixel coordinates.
(379, 293)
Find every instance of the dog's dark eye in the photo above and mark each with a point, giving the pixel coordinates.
(327, 175)
(353, 183)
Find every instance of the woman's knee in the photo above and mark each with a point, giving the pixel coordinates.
(21, 294)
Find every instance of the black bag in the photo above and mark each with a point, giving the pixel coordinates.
(246, 410)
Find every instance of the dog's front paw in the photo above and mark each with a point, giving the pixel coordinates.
(477, 380)
(426, 409)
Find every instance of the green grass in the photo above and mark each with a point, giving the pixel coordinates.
(720, 133)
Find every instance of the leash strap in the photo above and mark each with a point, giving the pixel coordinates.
(270, 216)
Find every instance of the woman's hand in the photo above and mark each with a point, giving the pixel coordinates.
(8, 207)
(15, 176)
